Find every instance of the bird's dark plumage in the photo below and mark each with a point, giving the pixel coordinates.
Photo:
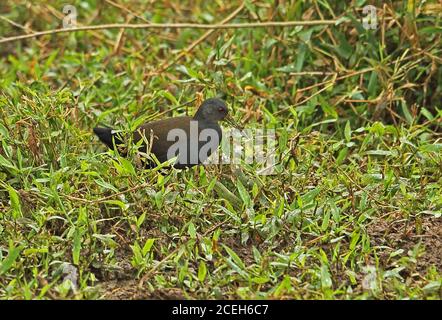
(107, 136)
(168, 134)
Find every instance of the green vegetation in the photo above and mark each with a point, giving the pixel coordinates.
(353, 211)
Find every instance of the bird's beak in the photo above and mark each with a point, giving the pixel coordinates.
(232, 122)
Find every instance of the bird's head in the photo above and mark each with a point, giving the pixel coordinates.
(214, 109)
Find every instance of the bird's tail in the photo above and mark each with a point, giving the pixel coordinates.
(108, 137)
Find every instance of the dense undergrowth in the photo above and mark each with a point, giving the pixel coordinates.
(353, 210)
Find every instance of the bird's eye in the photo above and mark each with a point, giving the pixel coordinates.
(221, 109)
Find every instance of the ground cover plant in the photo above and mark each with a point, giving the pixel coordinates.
(352, 211)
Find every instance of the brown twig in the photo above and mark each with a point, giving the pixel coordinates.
(183, 53)
(312, 73)
(123, 8)
(152, 271)
(167, 65)
(100, 37)
(269, 24)
(138, 186)
(327, 83)
(15, 24)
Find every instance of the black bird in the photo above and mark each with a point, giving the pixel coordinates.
(191, 139)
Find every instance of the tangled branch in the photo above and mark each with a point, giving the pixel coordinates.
(270, 24)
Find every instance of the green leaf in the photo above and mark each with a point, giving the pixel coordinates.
(326, 281)
(406, 112)
(309, 196)
(31, 251)
(137, 257)
(202, 271)
(76, 247)
(427, 114)
(159, 197)
(344, 49)
(6, 163)
(211, 185)
(190, 72)
(380, 153)
(50, 59)
(283, 286)
(432, 287)
(106, 185)
(128, 167)
(287, 69)
(243, 193)
(234, 257)
(435, 147)
(119, 203)
(300, 57)
(347, 131)
(141, 219)
(430, 30)
(325, 221)
(169, 96)
(354, 240)
(10, 259)
(15, 202)
(279, 208)
(373, 84)
(260, 280)
(147, 246)
(341, 156)
(191, 230)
